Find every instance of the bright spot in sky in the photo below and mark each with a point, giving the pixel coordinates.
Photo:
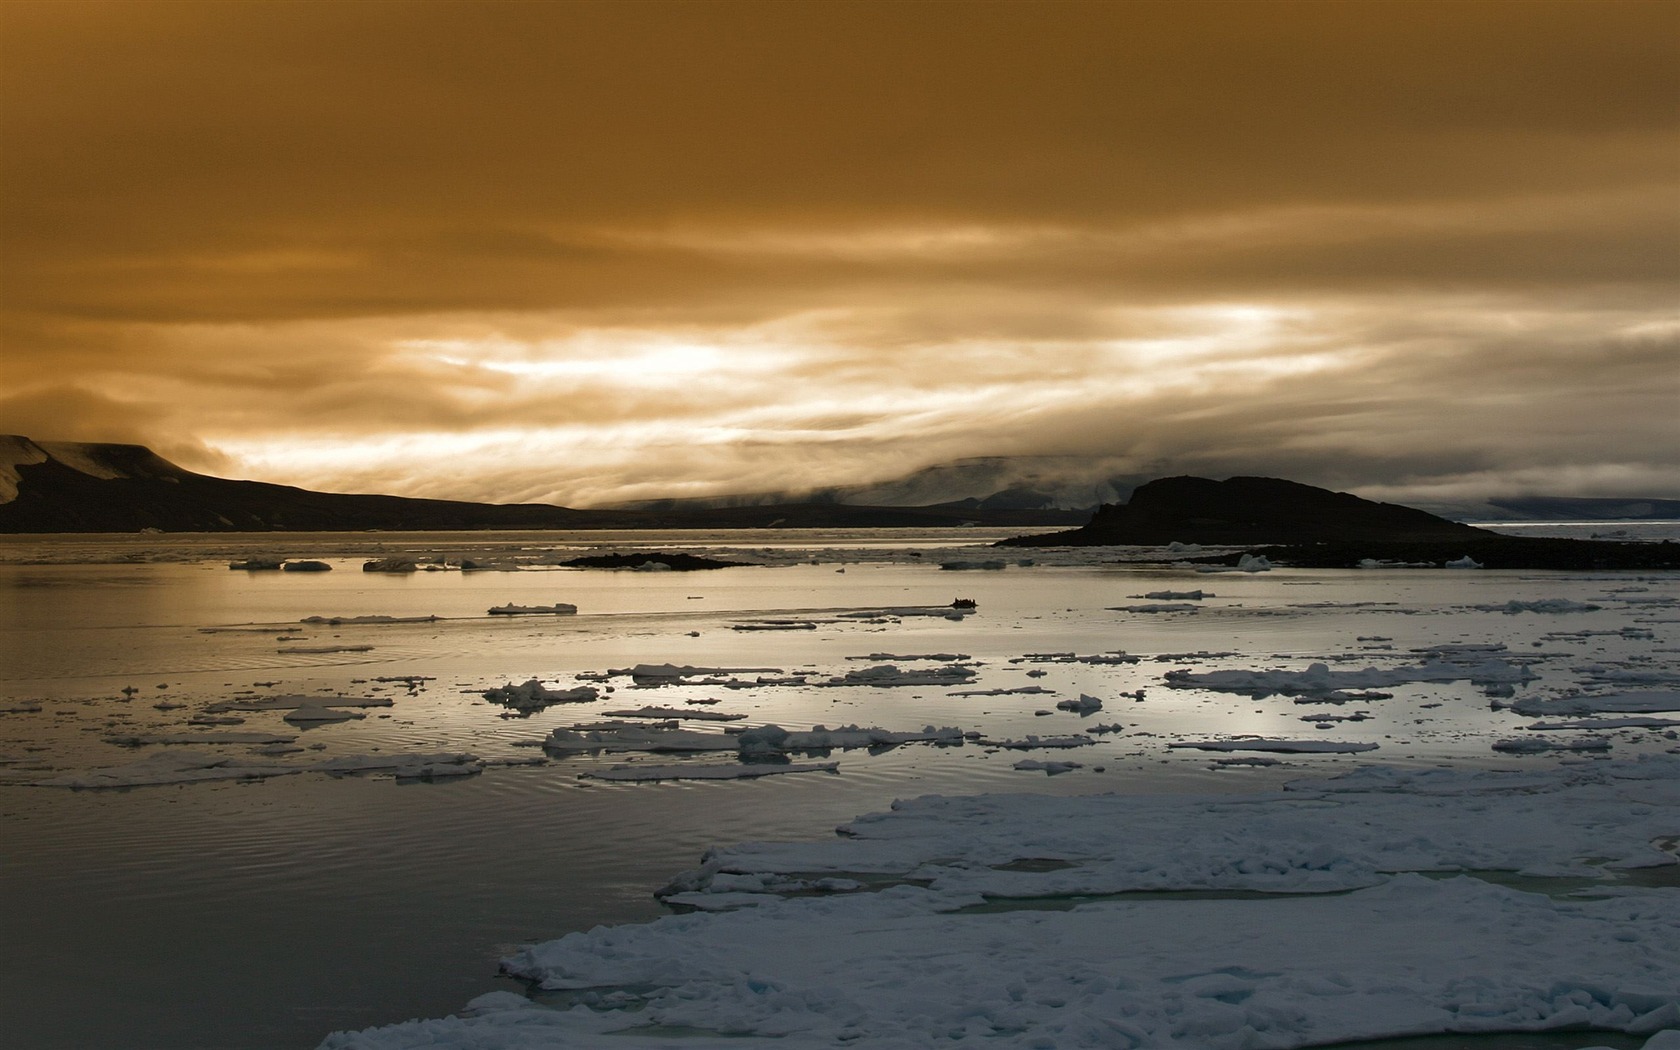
(633, 363)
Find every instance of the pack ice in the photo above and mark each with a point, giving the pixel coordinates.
(1362, 907)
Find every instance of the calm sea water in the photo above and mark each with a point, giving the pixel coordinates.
(265, 914)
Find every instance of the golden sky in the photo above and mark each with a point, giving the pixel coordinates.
(581, 252)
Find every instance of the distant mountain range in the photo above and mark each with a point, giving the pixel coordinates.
(52, 486)
(1083, 484)
(1047, 483)
(55, 486)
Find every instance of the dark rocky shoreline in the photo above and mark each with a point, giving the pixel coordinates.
(1496, 552)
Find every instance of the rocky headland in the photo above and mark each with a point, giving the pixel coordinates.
(1294, 524)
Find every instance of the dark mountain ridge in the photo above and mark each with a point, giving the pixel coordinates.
(51, 487)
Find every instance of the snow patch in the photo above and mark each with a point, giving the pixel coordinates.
(16, 452)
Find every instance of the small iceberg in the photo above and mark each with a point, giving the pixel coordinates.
(259, 564)
(391, 565)
(1085, 705)
(532, 695)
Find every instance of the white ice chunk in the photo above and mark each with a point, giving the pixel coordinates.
(1049, 768)
(1246, 563)
(1085, 705)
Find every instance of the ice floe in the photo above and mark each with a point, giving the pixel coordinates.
(1157, 607)
(1271, 744)
(1048, 768)
(317, 714)
(1634, 722)
(756, 741)
(258, 564)
(774, 625)
(1541, 605)
(1319, 678)
(936, 923)
(1534, 745)
(697, 771)
(365, 621)
(1115, 657)
(671, 674)
(186, 767)
(943, 658)
(1610, 703)
(1085, 705)
(822, 738)
(892, 675)
(675, 712)
(405, 766)
(635, 736)
(170, 767)
(393, 564)
(557, 609)
(532, 695)
(291, 702)
(147, 739)
(1032, 743)
(953, 611)
(1246, 563)
(324, 649)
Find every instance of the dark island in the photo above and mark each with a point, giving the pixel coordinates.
(1294, 524)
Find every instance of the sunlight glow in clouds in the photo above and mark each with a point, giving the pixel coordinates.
(737, 412)
(584, 253)
(636, 363)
